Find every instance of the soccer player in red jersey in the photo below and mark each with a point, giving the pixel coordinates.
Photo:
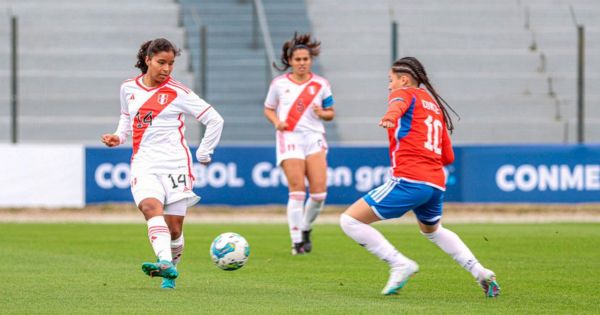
(153, 106)
(297, 104)
(417, 124)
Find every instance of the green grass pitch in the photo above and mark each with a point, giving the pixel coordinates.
(95, 268)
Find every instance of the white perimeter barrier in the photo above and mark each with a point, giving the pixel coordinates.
(42, 175)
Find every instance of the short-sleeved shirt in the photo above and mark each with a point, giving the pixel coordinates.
(155, 118)
(293, 101)
(419, 142)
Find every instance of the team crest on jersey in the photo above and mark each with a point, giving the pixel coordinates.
(163, 98)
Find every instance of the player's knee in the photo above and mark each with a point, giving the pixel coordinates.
(150, 209)
(347, 222)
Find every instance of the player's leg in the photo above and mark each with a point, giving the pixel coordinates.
(160, 239)
(316, 172)
(174, 215)
(148, 194)
(385, 202)
(429, 216)
(294, 170)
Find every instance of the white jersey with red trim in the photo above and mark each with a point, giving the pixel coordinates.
(293, 101)
(155, 119)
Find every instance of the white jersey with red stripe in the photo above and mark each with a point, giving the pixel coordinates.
(293, 101)
(155, 119)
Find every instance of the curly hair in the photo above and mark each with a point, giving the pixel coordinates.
(302, 41)
(151, 48)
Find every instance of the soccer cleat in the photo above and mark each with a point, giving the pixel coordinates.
(489, 285)
(399, 277)
(163, 268)
(298, 249)
(168, 283)
(306, 240)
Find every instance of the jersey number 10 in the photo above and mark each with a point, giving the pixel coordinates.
(434, 135)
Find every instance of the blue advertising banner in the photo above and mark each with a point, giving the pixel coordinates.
(544, 174)
(247, 175)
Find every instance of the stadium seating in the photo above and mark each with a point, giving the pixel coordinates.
(73, 56)
(479, 55)
(237, 71)
(507, 68)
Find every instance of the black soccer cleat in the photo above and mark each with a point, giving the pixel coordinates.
(306, 241)
(298, 249)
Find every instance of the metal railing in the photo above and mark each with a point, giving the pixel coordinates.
(14, 92)
(200, 76)
(261, 17)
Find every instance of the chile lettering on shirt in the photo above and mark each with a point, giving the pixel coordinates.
(148, 111)
(301, 104)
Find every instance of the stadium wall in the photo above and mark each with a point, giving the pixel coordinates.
(73, 176)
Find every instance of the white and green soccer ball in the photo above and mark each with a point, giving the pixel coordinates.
(229, 251)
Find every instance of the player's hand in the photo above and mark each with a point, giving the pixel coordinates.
(282, 125)
(318, 110)
(110, 140)
(386, 124)
(203, 157)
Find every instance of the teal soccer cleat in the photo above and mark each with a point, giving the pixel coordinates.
(163, 268)
(490, 285)
(399, 277)
(168, 283)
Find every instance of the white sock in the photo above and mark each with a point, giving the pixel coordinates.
(369, 238)
(314, 206)
(177, 249)
(294, 214)
(160, 237)
(450, 243)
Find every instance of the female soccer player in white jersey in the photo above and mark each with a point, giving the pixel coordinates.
(417, 124)
(296, 105)
(152, 111)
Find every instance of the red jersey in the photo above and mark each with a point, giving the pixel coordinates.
(419, 142)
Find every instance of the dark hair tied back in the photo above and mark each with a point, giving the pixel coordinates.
(151, 48)
(412, 66)
(302, 41)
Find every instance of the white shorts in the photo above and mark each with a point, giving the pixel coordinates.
(167, 188)
(299, 145)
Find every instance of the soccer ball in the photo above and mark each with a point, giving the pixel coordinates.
(229, 251)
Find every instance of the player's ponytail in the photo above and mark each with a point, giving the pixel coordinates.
(302, 41)
(413, 66)
(152, 47)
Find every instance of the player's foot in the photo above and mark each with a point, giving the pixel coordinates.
(298, 249)
(163, 268)
(168, 283)
(488, 283)
(399, 277)
(306, 241)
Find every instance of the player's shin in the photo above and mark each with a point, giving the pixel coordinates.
(177, 249)
(312, 209)
(452, 245)
(160, 238)
(294, 214)
(368, 237)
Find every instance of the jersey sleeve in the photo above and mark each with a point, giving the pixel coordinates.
(327, 96)
(272, 99)
(398, 103)
(209, 117)
(447, 151)
(124, 127)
